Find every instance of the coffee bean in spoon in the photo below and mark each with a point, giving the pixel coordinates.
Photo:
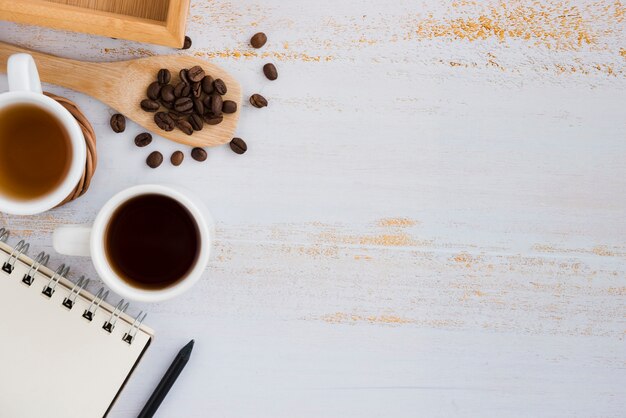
(118, 123)
(182, 89)
(195, 73)
(153, 90)
(207, 84)
(150, 105)
(177, 158)
(270, 71)
(164, 121)
(238, 145)
(196, 89)
(220, 87)
(196, 122)
(258, 40)
(143, 139)
(229, 106)
(183, 74)
(198, 154)
(167, 93)
(258, 101)
(154, 159)
(184, 104)
(198, 106)
(164, 76)
(211, 119)
(166, 104)
(216, 103)
(184, 126)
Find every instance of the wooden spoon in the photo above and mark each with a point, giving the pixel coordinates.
(122, 85)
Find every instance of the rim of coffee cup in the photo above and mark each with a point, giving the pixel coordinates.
(77, 165)
(119, 285)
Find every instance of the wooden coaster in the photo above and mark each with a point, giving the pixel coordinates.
(90, 141)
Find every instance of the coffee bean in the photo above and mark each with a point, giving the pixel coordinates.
(229, 106)
(183, 74)
(184, 126)
(167, 93)
(149, 105)
(154, 159)
(164, 76)
(175, 115)
(195, 73)
(198, 154)
(187, 43)
(196, 89)
(270, 71)
(167, 105)
(220, 87)
(257, 100)
(238, 145)
(258, 40)
(164, 121)
(196, 122)
(183, 104)
(198, 106)
(207, 84)
(216, 102)
(143, 139)
(213, 119)
(182, 90)
(153, 90)
(177, 158)
(118, 123)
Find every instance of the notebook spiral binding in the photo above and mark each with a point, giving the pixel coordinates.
(48, 290)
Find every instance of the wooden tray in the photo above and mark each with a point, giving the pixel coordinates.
(159, 22)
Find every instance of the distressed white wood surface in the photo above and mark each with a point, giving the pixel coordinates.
(430, 219)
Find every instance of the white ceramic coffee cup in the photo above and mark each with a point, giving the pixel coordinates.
(25, 88)
(82, 240)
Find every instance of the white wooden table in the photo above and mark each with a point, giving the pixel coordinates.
(430, 219)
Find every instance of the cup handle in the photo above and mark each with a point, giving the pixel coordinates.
(72, 240)
(22, 73)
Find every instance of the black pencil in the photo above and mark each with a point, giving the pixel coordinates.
(167, 381)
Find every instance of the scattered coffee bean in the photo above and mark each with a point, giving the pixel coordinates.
(238, 145)
(149, 105)
(167, 93)
(183, 74)
(118, 123)
(143, 139)
(216, 103)
(198, 106)
(164, 76)
(196, 122)
(257, 100)
(167, 105)
(213, 119)
(187, 43)
(270, 71)
(258, 40)
(182, 90)
(184, 126)
(195, 73)
(196, 89)
(154, 159)
(183, 104)
(164, 121)
(177, 158)
(229, 106)
(198, 154)
(153, 90)
(207, 84)
(220, 87)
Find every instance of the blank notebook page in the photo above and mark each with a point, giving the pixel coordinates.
(53, 361)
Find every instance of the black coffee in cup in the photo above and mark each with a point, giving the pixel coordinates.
(152, 241)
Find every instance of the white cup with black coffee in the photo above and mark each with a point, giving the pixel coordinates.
(148, 243)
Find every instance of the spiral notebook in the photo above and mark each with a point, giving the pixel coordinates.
(63, 351)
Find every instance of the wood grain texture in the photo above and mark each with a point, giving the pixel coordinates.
(122, 85)
(429, 220)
